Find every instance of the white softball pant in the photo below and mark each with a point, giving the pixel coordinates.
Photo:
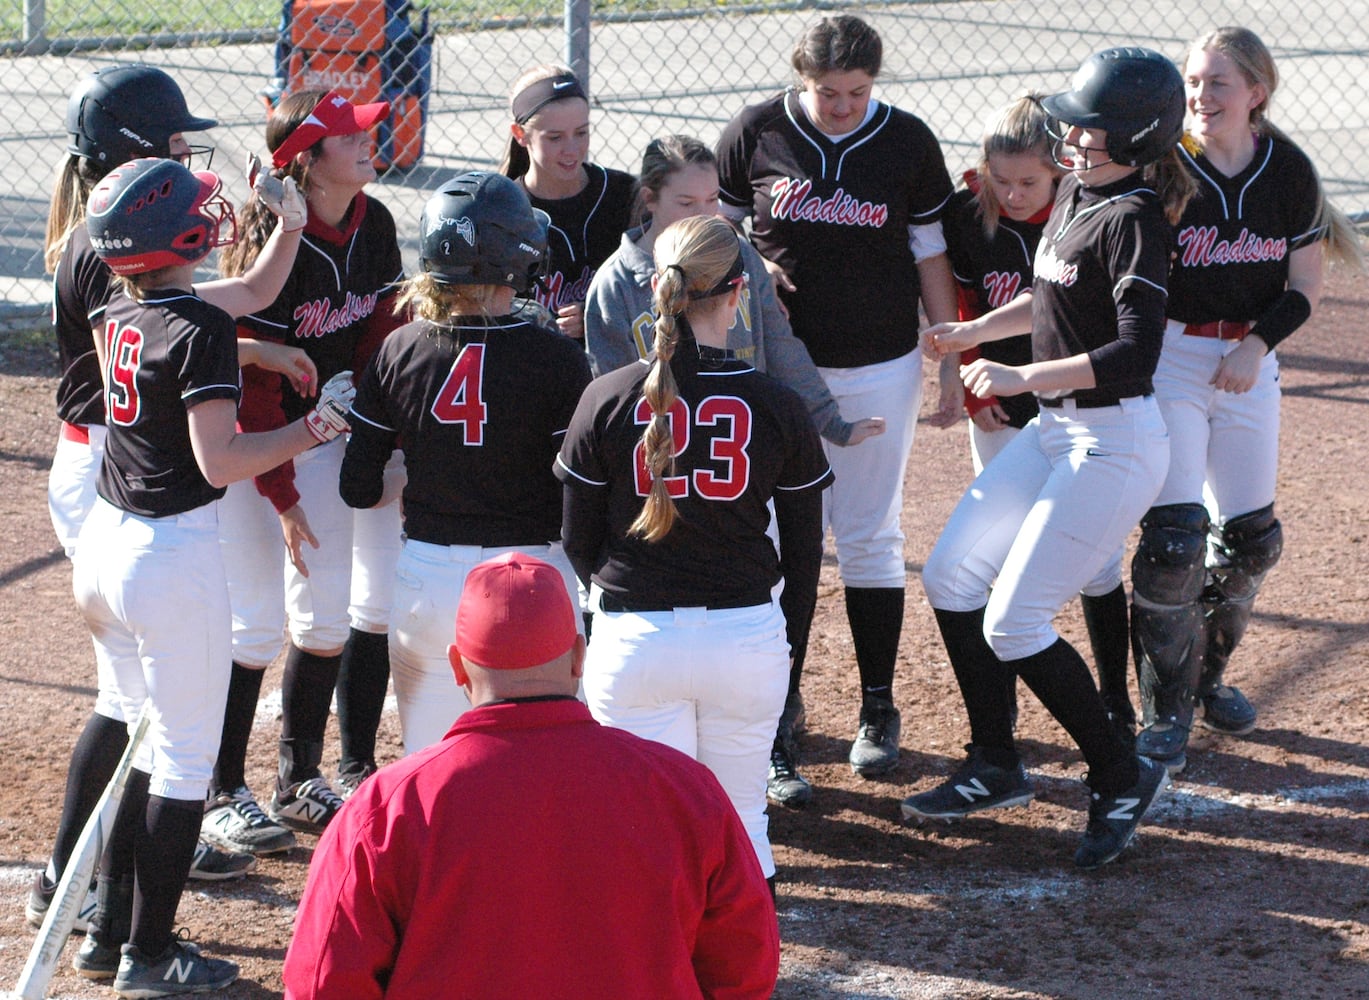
(711, 684)
(377, 536)
(863, 505)
(1230, 441)
(985, 446)
(427, 590)
(263, 585)
(71, 494)
(153, 593)
(71, 481)
(1048, 518)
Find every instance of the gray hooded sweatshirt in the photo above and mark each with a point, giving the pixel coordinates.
(619, 329)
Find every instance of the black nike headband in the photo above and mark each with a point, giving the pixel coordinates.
(538, 94)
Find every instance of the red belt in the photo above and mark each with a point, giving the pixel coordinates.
(1222, 329)
(75, 432)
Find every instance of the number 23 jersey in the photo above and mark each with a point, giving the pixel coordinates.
(740, 436)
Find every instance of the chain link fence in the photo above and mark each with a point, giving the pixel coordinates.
(653, 66)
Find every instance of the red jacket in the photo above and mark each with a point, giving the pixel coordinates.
(536, 854)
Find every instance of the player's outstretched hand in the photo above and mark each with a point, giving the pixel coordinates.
(291, 362)
(867, 428)
(946, 338)
(987, 378)
(570, 320)
(781, 277)
(295, 527)
(328, 418)
(281, 196)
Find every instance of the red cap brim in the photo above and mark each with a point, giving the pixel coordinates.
(333, 115)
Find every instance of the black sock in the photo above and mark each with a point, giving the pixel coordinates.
(363, 677)
(244, 687)
(1059, 677)
(876, 618)
(165, 847)
(117, 861)
(94, 760)
(1106, 620)
(307, 694)
(986, 685)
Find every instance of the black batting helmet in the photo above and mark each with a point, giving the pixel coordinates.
(1136, 95)
(122, 112)
(153, 213)
(479, 228)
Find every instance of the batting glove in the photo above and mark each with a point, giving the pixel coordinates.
(281, 196)
(328, 418)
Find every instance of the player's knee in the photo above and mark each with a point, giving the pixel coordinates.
(257, 647)
(1015, 640)
(1245, 550)
(1168, 568)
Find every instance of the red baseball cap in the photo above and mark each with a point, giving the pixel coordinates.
(332, 115)
(514, 613)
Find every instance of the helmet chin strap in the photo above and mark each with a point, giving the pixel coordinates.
(1074, 164)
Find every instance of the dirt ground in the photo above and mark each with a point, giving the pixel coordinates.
(1250, 878)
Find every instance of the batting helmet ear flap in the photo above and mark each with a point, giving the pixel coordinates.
(479, 228)
(153, 213)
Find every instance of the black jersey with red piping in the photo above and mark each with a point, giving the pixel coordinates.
(834, 212)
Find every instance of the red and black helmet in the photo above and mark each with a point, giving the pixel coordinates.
(152, 213)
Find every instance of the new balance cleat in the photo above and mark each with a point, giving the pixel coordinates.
(306, 806)
(976, 786)
(40, 900)
(213, 865)
(1226, 710)
(234, 821)
(96, 961)
(875, 750)
(179, 969)
(784, 786)
(350, 780)
(1113, 819)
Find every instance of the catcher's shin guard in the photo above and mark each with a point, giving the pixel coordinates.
(1244, 550)
(1167, 624)
(1168, 644)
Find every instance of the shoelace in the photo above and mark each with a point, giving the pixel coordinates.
(248, 809)
(320, 791)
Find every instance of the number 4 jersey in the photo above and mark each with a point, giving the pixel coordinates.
(479, 409)
(740, 437)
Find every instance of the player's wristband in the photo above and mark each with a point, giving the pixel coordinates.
(1291, 311)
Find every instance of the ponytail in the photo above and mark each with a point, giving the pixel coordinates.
(658, 513)
(1172, 182)
(696, 259)
(256, 222)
